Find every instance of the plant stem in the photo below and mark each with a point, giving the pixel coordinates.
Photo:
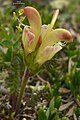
(23, 84)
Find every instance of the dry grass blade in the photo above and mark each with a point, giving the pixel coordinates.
(65, 106)
(75, 118)
(70, 112)
(64, 90)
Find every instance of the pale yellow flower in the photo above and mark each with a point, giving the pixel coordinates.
(45, 37)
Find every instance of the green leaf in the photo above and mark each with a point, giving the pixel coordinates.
(9, 54)
(77, 111)
(12, 115)
(47, 113)
(51, 105)
(11, 35)
(58, 102)
(42, 115)
(6, 43)
(16, 44)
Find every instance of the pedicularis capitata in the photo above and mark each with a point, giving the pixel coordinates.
(41, 42)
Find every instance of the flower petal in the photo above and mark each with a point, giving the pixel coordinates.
(44, 30)
(53, 20)
(28, 40)
(56, 48)
(34, 19)
(44, 55)
(50, 26)
(48, 53)
(56, 36)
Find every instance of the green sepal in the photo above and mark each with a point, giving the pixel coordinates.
(30, 62)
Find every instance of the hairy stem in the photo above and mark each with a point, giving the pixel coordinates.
(23, 84)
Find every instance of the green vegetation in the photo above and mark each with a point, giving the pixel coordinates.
(53, 93)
